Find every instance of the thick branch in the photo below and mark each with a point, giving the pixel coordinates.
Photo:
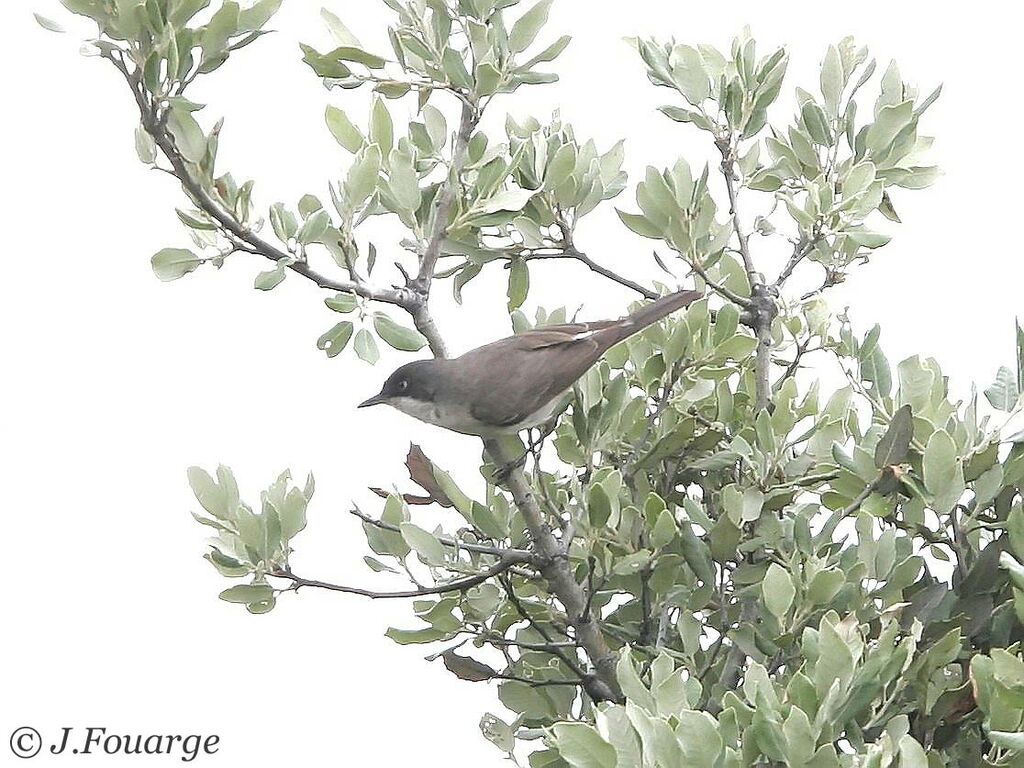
(553, 562)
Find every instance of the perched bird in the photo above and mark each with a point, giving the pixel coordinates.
(515, 383)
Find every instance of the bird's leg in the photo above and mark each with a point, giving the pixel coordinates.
(532, 449)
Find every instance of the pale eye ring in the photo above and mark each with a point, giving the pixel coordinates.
(403, 385)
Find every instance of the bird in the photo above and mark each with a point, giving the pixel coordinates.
(516, 383)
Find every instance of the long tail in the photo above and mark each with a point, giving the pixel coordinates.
(648, 315)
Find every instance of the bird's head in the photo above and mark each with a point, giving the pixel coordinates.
(412, 383)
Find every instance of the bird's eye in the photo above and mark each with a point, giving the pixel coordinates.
(403, 385)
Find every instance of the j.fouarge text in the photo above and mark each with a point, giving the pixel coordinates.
(94, 741)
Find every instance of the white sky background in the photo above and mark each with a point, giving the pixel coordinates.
(114, 383)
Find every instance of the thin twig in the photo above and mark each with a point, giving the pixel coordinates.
(458, 585)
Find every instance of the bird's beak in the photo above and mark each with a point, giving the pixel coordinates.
(375, 400)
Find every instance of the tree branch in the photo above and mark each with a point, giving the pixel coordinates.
(446, 197)
(572, 254)
(553, 562)
(154, 121)
(447, 540)
(458, 585)
(725, 146)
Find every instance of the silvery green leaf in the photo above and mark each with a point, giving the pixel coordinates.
(518, 284)
(550, 53)
(343, 302)
(403, 181)
(423, 543)
(173, 263)
(943, 471)
(145, 146)
(314, 228)
(398, 336)
(346, 133)
(267, 281)
(247, 593)
(498, 732)
(382, 129)
(1004, 392)
(46, 23)
(895, 443)
(256, 16)
(507, 200)
(777, 590)
(581, 746)
(362, 176)
(188, 136)
(832, 80)
(436, 125)
(338, 30)
(336, 339)
(868, 239)
(366, 347)
(688, 74)
(528, 26)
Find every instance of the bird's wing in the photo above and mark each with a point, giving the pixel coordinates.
(557, 335)
(521, 375)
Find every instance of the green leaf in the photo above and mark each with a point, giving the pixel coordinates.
(173, 263)
(335, 340)
(1020, 356)
(415, 636)
(689, 75)
(424, 543)
(188, 136)
(778, 590)
(832, 79)
(912, 755)
(361, 181)
(344, 130)
(640, 225)
(382, 129)
(366, 347)
(528, 26)
(357, 55)
(45, 23)
(267, 281)
(338, 30)
(212, 497)
(247, 593)
(398, 336)
(943, 472)
(182, 11)
(895, 443)
(222, 26)
(868, 239)
(518, 284)
(314, 228)
(1013, 740)
(664, 530)
(498, 732)
(1004, 392)
(145, 146)
(404, 182)
(581, 746)
(699, 739)
(343, 302)
(256, 17)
